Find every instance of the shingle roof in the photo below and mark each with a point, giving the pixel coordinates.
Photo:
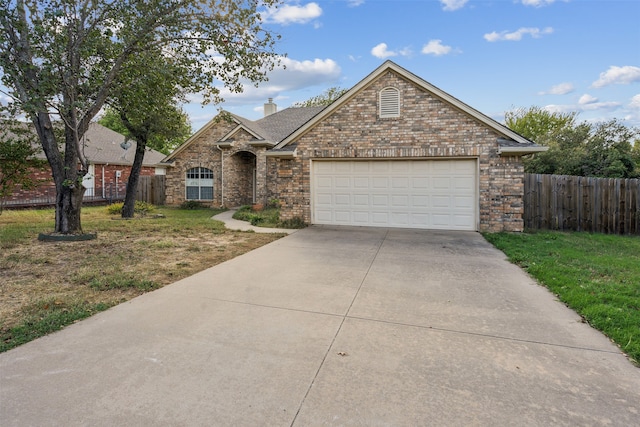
(278, 126)
(102, 146)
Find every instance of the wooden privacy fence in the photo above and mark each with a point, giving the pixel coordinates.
(577, 203)
(151, 189)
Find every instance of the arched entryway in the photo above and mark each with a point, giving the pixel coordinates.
(240, 188)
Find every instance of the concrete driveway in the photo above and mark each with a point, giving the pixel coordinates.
(331, 326)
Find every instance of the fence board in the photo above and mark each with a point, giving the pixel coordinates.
(572, 203)
(151, 189)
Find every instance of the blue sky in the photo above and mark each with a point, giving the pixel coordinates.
(564, 55)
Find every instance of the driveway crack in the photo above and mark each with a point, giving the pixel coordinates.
(333, 340)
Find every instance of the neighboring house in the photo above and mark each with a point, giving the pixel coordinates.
(394, 151)
(109, 169)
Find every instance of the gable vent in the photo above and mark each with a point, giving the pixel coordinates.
(389, 102)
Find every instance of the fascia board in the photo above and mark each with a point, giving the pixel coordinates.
(521, 151)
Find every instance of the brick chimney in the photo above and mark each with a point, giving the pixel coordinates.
(270, 108)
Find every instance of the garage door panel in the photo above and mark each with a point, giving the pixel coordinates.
(360, 182)
(419, 201)
(400, 201)
(380, 219)
(379, 200)
(380, 182)
(342, 200)
(439, 194)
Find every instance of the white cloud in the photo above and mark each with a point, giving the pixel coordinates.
(635, 102)
(451, 5)
(537, 3)
(517, 35)
(587, 99)
(293, 14)
(355, 3)
(435, 47)
(559, 89)
(382, 51)
(618, 75)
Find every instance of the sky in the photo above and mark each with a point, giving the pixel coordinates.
(496, 56)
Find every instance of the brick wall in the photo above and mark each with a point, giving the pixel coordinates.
(201, 152)
(106, 185)
(427, 128)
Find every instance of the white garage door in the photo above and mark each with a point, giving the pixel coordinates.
(430, 194)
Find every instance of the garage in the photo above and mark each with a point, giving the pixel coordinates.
(426, 194)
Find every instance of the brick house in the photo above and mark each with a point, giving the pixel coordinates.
(109, 169)
(394, 151)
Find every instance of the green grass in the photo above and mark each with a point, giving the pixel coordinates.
(45, 317)
(596, 275)
(99, 265)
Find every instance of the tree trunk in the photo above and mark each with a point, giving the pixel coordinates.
(132, 182)
(68, 209)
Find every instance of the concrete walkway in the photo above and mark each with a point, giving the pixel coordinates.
(331, 326)
(234, 224)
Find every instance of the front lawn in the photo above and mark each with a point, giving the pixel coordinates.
(597, 275)
(45, 286)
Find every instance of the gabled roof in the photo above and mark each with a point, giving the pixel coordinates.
(524, 146)
(269, 130)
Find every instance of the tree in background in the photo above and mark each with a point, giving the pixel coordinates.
(61, 59)
(17, 159)
(326, 98)
(583, 149)
(144, 106)
(537, 124)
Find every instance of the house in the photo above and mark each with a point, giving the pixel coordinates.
(394, 151)
(109, 169)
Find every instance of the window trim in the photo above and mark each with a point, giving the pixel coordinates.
(203, 180)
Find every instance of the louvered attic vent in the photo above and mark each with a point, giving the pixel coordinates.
(389, 103)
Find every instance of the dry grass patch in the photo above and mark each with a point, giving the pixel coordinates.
(46, 285)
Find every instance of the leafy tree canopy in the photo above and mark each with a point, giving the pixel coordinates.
(17, 159)
(324, 99)
(583, 149)
(62, 59)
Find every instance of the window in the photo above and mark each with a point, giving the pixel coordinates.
(199, 184)
(389, 103)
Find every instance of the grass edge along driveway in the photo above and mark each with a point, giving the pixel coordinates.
(45, 286)
(596, 275)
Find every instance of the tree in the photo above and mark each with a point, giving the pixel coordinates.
(536, 124)
(143, 104)
(61, 59)
(17, 159)
(165, 142)
(326, 98)
(599, 150)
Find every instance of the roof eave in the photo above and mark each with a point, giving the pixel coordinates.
(521, 151)
(262, 143)
(281, 154)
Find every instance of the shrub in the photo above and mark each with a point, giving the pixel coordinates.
(295, 222)
(192, 205)
(140, 207)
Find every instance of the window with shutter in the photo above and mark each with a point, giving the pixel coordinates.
(389, 103)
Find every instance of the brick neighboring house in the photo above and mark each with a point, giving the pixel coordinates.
(109, 169)
(394, 151)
